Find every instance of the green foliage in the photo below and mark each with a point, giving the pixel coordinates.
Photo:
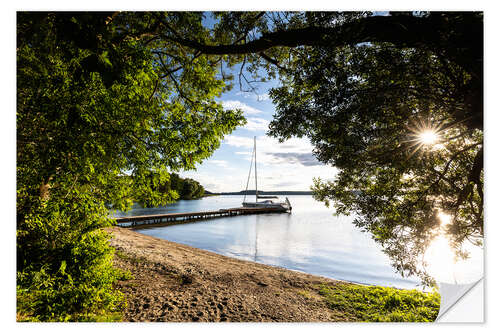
(192, 189)
(367, 303)
(97, 102)
(168, 186)
(79, 290)
(185, 188)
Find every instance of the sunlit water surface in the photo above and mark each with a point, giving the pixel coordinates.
(310, 240)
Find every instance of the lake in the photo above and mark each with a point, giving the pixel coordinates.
(310, 239)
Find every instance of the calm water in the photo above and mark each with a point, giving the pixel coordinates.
(309, 239)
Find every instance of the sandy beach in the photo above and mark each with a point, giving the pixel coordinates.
(178, 283)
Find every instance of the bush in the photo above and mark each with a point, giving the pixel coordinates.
(65, 265)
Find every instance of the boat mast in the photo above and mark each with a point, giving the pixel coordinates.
(255, 152)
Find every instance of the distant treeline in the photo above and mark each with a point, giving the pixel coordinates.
(186, 187)
(173, 186)
(252, 192)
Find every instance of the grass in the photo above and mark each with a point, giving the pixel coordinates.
(375, 304)
(304, 293)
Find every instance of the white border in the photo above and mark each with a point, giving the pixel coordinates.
(492, 19)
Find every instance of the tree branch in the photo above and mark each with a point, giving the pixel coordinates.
(404, 31)
(445, 170)
(272, 61)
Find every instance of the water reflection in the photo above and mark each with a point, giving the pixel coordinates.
(440, 260)
(442, 264)
(309, 240)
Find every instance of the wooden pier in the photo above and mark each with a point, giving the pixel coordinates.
(133, 221)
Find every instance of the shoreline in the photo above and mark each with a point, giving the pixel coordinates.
(172, 223)
(178, 283)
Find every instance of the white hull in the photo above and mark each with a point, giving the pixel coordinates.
(284, 206)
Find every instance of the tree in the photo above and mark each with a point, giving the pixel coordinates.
(374, 113)
(176, 183)
(97, 100)
(403, 126)
(191, 189)
(394, 103)
(175, 187)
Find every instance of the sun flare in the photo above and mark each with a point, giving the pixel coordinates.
(428, 137)
(424, 137)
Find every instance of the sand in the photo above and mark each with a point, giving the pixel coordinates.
(177, 283)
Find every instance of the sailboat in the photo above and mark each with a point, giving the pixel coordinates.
(268, 203)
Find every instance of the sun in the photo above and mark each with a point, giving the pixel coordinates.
(428, 137)
(425, 136)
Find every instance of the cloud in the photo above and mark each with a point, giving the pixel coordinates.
(247, 109)
(263, 97)
(238, 141)
(306, 159)
(267, 144)
(258, 97)
(218, 181)
(289, 183)
(256, 124)
(281, 166)
(270, 151)
(220, 163)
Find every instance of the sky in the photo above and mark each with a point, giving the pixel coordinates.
(286, 166)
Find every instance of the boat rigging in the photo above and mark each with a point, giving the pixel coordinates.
(268, 203)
